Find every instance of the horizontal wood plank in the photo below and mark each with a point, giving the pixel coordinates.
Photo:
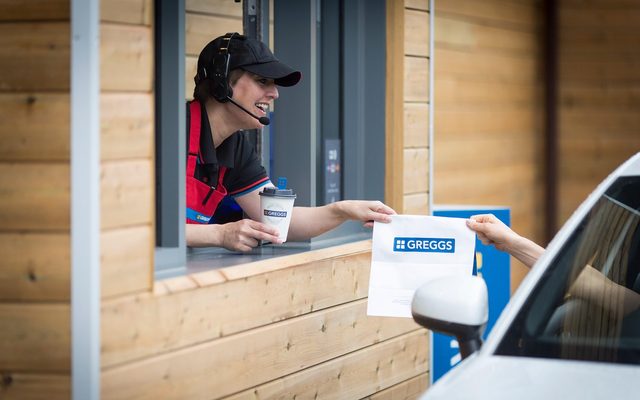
(35, 56)
(137, 12)
(352, 376)
(34, 10)
(126, 58)
(481, 123)
(416, 125)
(143, 325)
(466, 35)
(496, 68)
(216, 7)
(127, 260)
(416, 35)
(35, 267)
(201, 29)
(228, 365)
(39, 200)
(416, 204)
(411, 389)
(29, 120)
(23, 386)
(457, 92)
(416, 170)
(522, 15)
(126, 193)
(416, 79)
(417, 4)
(35, 337)
(126, 126)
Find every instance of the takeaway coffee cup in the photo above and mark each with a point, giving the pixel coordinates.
(276, 205)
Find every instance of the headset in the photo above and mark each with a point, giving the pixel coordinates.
(220, 88)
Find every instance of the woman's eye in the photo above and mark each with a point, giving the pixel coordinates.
(263, 81)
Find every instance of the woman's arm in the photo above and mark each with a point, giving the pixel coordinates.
(491, 231)
(241, 235)
(308, 222)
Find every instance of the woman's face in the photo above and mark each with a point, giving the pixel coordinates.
(256, 94)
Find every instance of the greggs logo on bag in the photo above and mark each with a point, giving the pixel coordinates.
(424, 245)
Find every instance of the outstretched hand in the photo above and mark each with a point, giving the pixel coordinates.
(492, 231)
(366, 211)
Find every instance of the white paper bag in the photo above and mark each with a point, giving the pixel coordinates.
(411, 250)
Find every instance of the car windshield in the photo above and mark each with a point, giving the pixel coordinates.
(587, 304)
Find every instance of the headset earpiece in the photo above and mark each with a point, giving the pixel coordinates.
(221, 90)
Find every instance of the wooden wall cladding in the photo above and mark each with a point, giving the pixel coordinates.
(35, 347)
(126, 189)
(599, 106)
(19, 386)
(34, 266)
(417, 63)
(126, 126)
(126, 58)
(35, 337)
(259, 328)
(136, 12)
(352, 376)
(34, 10)
(34, 56)
(206, 20)
(228, 365)
(488, 110)
(130, 325)
(38, 201)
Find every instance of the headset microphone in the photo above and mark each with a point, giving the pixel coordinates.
(262, 120)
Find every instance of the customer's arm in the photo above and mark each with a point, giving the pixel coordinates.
(491, 231)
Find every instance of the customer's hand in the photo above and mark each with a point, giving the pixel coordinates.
(491, 231)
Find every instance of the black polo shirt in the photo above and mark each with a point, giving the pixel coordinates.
(237, 153)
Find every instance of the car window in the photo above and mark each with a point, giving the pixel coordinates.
(587, 304)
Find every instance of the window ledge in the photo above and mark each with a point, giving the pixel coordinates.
(259, 261)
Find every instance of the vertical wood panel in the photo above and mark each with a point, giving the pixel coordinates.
(394, 119)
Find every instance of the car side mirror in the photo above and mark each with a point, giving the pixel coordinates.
(456, 306)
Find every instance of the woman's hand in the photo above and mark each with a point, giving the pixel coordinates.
(246, 234)
(366, 211)
(491, 231)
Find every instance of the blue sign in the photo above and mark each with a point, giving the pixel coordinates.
(494, 267)
(424, 245)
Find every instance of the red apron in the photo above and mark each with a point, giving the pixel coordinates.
(202, 199)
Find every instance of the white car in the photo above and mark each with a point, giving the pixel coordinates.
(572, 329)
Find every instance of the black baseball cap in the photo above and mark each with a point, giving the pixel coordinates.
(250, 55)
